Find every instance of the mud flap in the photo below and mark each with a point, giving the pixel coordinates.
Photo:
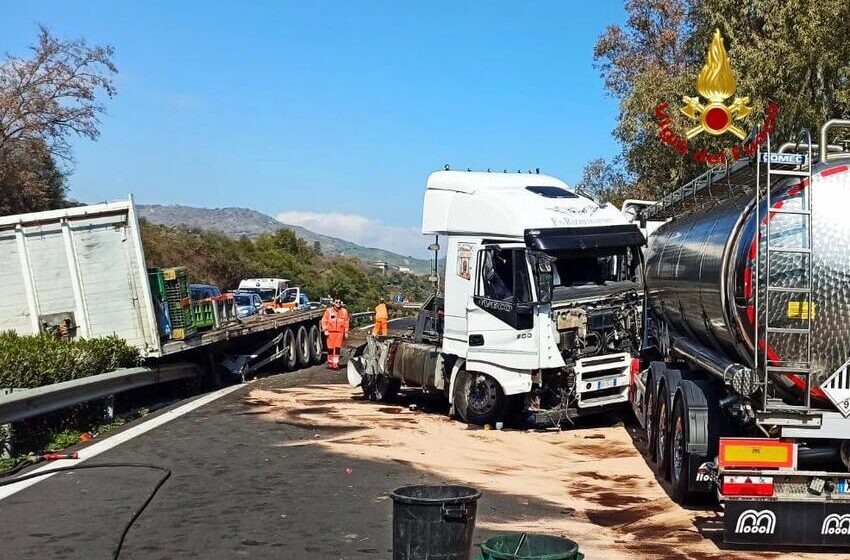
(699, 448)
(786, 523)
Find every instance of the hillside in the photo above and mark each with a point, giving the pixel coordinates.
(236, 222)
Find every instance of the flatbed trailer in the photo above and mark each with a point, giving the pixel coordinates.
(82, 270)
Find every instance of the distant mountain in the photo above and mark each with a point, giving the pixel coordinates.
(236, 222)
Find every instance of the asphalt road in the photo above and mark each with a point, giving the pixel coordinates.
(235, 491)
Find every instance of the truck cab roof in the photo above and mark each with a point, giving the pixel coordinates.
(505, 205)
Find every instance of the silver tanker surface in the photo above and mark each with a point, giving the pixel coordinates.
(700, 271)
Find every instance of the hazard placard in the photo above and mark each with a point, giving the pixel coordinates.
(837, 388)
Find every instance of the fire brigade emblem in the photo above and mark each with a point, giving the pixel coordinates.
(716, 83)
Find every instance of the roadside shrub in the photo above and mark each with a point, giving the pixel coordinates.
(32, 361)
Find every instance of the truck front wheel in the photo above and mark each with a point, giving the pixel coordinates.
(478, 398)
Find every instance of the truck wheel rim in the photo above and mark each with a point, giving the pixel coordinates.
(650, 421)
(483, 394)
(678, 448)
(662, 431)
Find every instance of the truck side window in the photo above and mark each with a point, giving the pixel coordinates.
(522, 283)
(497, 274)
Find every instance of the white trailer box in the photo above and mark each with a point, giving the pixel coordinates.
(81, 266)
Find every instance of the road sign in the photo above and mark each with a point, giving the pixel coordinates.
(837, 388)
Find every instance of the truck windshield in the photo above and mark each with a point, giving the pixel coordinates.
(265, 295)
(613, 264)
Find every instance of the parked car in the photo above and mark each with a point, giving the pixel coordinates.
(203, 291)
(247, 304)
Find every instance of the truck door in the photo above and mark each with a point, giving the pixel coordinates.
(500, 314)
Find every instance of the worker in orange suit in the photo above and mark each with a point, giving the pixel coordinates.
(382, 318)
(335, 326)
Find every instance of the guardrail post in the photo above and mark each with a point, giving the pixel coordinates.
(109, 407)
(5, 441)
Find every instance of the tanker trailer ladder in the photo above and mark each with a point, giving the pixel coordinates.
(797, 297)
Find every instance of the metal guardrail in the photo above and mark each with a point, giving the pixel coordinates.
(25, 403)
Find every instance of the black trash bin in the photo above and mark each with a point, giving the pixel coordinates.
(433, 522)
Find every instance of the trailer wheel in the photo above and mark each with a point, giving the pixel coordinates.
(315, 345)
(302, 347)
(290, 356)
(651, 422)
(662, 438)
(679, 454)
(479, 398)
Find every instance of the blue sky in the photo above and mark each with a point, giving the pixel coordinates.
(302, 109)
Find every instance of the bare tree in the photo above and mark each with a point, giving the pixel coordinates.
(52, 96)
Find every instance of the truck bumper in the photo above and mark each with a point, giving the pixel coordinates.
(796, 523)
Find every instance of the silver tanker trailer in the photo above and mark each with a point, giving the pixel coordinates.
(746, 389)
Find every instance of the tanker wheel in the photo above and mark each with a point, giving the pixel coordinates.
(316, 346)
(290, 356)
(662, 437)
(679, 471)
(479, 398)
(651, 422)
(302, 340)
(380, 388)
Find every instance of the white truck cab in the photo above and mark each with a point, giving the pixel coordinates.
(540, 307)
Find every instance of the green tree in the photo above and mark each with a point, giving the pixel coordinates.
(213, 258)
(47, 99)
(30, 180)
(605, 182)
(794, 53)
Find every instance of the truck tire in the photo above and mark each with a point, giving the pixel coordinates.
(316, 346)
(651, 420)
(302, 347)
(479, 398)
(662, 434)
(290, 356)
(679, 460)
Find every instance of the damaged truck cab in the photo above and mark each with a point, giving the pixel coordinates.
(541, 303)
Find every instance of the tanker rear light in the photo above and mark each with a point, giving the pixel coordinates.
(761, 486)
(756, 453)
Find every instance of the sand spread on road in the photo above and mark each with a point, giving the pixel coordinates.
(592, 484)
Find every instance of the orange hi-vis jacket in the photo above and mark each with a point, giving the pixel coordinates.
(381, 313)
(335, 322)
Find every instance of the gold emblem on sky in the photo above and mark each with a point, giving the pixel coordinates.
(716, 83)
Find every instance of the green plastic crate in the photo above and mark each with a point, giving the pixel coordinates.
(176, 282)
(203, 314)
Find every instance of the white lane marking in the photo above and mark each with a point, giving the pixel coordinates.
(373, 324)
(119, 438)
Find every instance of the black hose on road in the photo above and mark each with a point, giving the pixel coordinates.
(166, 475)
